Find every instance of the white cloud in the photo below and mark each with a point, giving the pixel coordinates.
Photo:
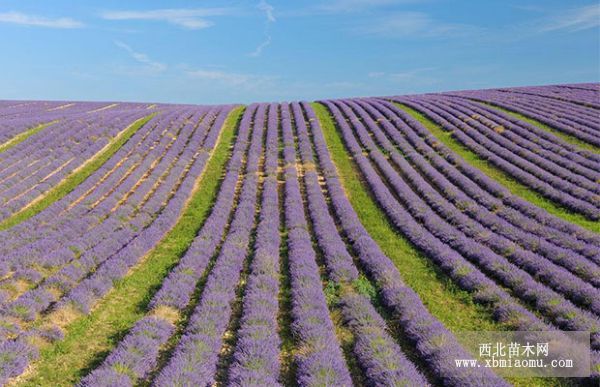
(420, 76)
(39, 21)
(150, 66)
(573, 20)
(411, 24)
(360, 5)
(270, 18)
(258, 51)
(268, 9)
(231, 79)
(411, 74)
(376, 74)
(193, 18)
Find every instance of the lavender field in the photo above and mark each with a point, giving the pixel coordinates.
(342, 242)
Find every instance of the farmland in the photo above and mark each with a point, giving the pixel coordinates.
(340, 242)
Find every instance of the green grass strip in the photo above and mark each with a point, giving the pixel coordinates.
(501, 177)
(562, 135)
(89, 338)
(19, 138)
(76, 177)
(448, 303)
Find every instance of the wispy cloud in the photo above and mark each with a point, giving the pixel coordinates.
(411, 24)
(192, 18)
(259, 49)
(360, 5)
(268, 10)
(150, 66)
(421, 76)
(39, 21)
(573, 20)
(230, 79)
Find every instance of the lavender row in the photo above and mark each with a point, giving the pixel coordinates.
(56, 235)
(179, 285)
(56, 220)
(486, 191)
(176, 290)
(117, 266)
(23, 233)
(380, 357)
(70, 131)
(18, 118)
(540, 137)
(431, 339)
(42, 252)
(581, 86)
(108, 243)
(425, 204)
(564, 314)
(472, 132)
(567, 129)
(256, 355)
(563, 111)
(495, 156)
(194, 361)
(135, 356)
(16, 355)
(580, 97)
(578, 117)
(115, 221)
(31, 171)
(563, 166)
(576, 263)
(321, 361)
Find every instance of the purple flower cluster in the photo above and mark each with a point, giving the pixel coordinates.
(411, 215)
(17, 117)
(565, 168)
(176, 290)
(256, 356)
(167, 187)
(432, 340)
(378, 354)
(320, 360)
(416, 193)
(571, 114)
(72, 269)
(194, 361)
(482, 189)
(541, 142)
(546, 181)
(135, 356)
(15, 355)
(182, 176)
(572, 94)
(40, 163)
(69, 227)
(464, 195)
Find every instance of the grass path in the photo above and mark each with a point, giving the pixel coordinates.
(563, 136)
(19, 138)
(76, 177)
(89, 338)
(501, 177)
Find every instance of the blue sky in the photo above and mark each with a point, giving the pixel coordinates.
(265, 50)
